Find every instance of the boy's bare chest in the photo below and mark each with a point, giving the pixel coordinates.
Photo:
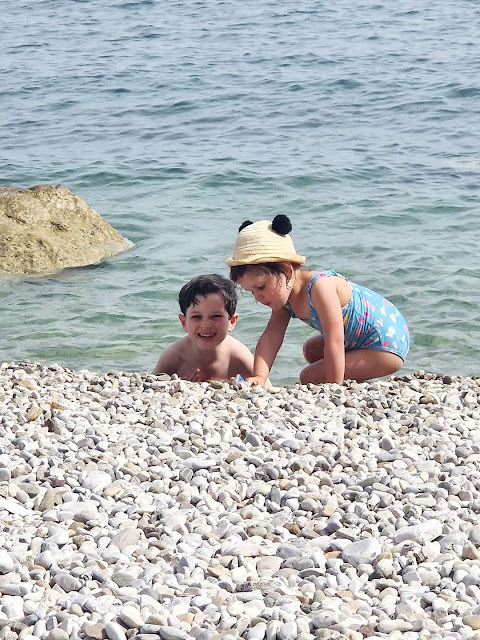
(215, 369)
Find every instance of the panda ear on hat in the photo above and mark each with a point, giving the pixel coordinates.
(281, 224)
(244, 224)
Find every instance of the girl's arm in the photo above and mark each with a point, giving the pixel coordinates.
(268, 345)
(327, 304)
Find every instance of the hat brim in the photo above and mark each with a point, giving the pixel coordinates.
(296, 259)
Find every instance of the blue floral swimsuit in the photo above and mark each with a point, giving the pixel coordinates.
(370, 320)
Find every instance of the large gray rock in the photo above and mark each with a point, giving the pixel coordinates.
(46, 228)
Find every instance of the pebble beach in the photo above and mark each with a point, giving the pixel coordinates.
(148, 507)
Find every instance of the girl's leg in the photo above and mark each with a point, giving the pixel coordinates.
(360, 365)
(313, 349)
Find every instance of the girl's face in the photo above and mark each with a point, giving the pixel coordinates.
(269, 289)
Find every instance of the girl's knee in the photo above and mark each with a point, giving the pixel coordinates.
(396, 363)
(303, 376)
(313, 349)
(314, 374)
(306, 352)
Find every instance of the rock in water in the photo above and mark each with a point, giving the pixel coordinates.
(46, 228)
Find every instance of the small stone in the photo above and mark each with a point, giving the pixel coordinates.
(97, 481)
(48, 500)
(21, 589)
(422, 533)
(6, 562)
(292, 527)
(318, 595)
(58, 634)
(325, 619)
(44, 559)
(122, 578)
(95, 630)
(472, 621)
(5, 475)
(470, 551)
(67, 582)
(390, 626)
(13, 507)
(474, 535)
(217, 571)
(126, 537)
(58, 536)
(288, 631)
(115, 631)
(257, 632)
(172, 633)
(27, 384)
(131, 617)
(428, 398)
(361, 551)
(33, 413)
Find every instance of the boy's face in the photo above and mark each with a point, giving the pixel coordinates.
(207, 323)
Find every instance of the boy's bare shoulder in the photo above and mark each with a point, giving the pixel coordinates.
(240, 358)
(172, 357)
(235, 345)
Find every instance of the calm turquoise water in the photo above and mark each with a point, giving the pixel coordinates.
(178, 120)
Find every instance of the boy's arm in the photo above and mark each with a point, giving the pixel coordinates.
(169, 361)
(268, 345)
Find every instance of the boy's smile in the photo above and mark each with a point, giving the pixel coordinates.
(207, 322)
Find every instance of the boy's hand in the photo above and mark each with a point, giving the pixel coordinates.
(197, 376)
(253, 380)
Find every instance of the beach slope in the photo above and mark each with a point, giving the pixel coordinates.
(149, 507)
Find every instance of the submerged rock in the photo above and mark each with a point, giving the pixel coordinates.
(47, 228)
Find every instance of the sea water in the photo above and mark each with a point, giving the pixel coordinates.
(177, 120)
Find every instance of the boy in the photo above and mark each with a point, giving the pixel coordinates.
(207, 352)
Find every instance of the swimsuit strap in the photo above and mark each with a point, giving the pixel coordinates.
(313, 316)
(313, 279)
(316, 276)
(289, 309)
(313, 319)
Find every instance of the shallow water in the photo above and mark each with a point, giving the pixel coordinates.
(178, 120)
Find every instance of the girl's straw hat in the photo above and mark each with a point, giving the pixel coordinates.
(264, 241)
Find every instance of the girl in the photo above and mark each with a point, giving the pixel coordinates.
(362, 335)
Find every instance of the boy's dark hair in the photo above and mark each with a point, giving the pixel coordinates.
(275, 268)
(203, 286)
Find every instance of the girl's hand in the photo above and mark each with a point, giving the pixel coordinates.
(253, 380)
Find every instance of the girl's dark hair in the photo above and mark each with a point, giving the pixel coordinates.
(275, 268)
(203, 286)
